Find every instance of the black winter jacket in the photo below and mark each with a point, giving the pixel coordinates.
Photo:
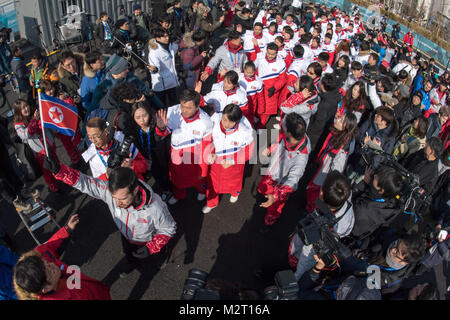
(323, 118)
(427, 170)
(371, 214)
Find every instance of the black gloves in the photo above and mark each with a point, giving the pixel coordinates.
(271, 91)
(51, 164)
(141, 253)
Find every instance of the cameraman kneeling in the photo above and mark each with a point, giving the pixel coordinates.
(105, 146)
(139, 213)
(336, 194)
(377, 202)
(394, 257)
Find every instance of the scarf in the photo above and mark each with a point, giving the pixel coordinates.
(233, 48)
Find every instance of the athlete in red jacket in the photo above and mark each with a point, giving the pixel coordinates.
(41, 275)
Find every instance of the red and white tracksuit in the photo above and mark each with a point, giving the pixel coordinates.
(338, 37)
(331, 49)
(32, 135)
(273, 74)
(255, 95)
(190, 143)
(220, 98)
(297, 69)
(308, 55)
(235, 145)
(250, 49)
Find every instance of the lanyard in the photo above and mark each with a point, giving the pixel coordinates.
(100, 156)
(235, 65)
(378, 200)
(125, 35)
(388, 269)
(148, 141)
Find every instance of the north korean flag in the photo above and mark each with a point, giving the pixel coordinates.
(58, 115)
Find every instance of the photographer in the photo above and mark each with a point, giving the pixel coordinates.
(335, 193)
(425, 163)
(408, 109)
(70, 72)
(117, 105)
(395, 255)
(104, 145)
(412, 138)
(41, 275)
(193, 56)
(143, 219)
(380, 129)
(122, 34)
(376, 200)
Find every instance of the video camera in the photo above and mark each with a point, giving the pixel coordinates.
(285, 288)
(412, 195)
(370, 75)
(120, 153)
(194, 287)
(314, 230)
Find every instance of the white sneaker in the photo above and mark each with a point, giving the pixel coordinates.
(278, 118)
(276, 126)
(234, 199)
(201, 197)
(207, 209)
(172, 201)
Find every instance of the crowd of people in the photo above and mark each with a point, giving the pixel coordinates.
(364, 115)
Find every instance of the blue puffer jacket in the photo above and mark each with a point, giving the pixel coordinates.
(7, 262)
(387, 142)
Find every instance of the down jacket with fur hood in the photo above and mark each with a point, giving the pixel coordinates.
(163, 57)
(71, 82)
(191, 58)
